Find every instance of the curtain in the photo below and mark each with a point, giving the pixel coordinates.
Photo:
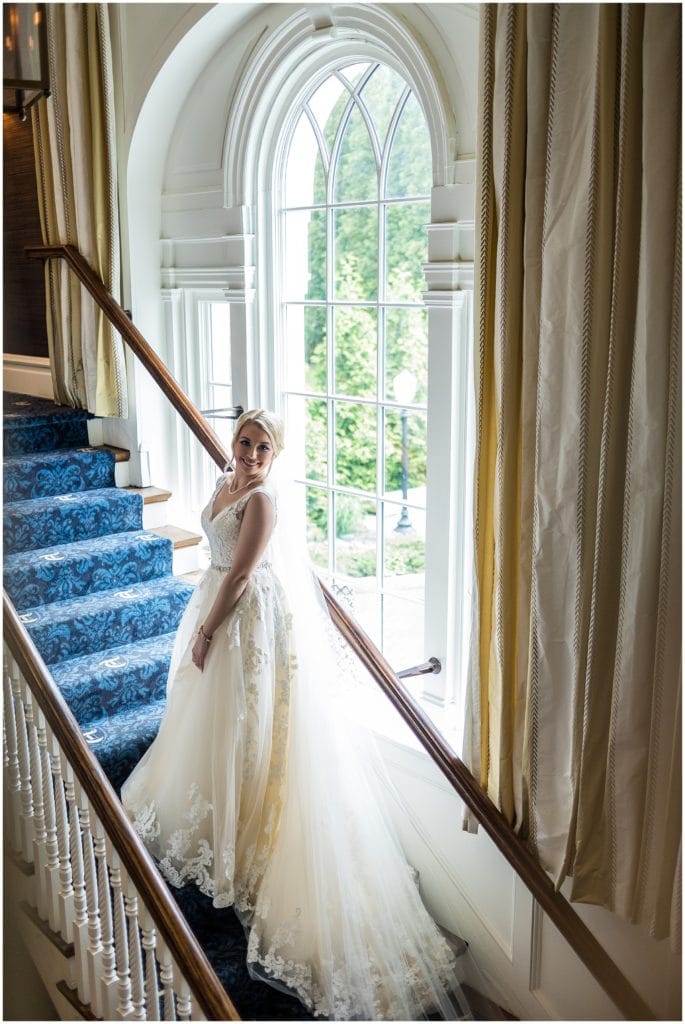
(74, 146)
(573, 717)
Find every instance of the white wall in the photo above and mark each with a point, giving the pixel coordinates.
(189, 227)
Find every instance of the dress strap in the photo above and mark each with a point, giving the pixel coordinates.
(261, 489)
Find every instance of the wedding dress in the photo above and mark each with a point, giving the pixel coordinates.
(262, 790)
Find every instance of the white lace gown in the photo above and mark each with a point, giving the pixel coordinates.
(262, 793)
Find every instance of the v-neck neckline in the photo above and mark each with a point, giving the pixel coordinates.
(214, 515)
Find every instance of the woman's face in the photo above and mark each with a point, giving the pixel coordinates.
(253, 451)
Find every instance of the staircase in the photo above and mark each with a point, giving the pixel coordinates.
(96, 591)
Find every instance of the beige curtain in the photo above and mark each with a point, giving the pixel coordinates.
(76, 169)
(573, 723)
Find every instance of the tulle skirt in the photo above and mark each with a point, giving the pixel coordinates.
(267, 795)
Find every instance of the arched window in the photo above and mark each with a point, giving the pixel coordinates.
(355, 207)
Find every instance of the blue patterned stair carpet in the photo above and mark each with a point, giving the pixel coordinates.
(96, 592)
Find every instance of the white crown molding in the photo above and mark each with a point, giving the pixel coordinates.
(236, 283)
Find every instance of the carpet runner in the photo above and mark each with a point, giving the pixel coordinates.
(97, 595)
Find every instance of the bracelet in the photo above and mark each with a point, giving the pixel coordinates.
(201, 632)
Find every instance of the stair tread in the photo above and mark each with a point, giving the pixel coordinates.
(20, 409)
(86, 663)
(179, 537)
(56, 455)
(29, 506)
(59, 611)
(120, 740)
(150, 495)
(78, 548)
(106, 682)
(120, 454)
(45, 474)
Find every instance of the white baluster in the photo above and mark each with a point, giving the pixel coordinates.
(66, 888)
(51, 848)
(109, 972)
(94, 930)
(12, 777)
(24, 774)
(124, 1008)
(39, 853)
(80, 918)
(149, 933)
(183, 1001)
(135, 955)
(166, 977)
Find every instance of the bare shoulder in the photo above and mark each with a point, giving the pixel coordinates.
(261, 502)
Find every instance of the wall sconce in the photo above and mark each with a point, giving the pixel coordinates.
(25, 57)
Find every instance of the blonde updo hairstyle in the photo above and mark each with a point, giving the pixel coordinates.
(267, 421)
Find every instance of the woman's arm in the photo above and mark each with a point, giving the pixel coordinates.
(255, 532)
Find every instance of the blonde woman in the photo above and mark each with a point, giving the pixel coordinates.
(261, 790)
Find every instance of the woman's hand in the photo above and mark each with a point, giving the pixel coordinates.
(200, 649)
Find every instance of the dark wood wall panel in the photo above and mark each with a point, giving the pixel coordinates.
(23, 289)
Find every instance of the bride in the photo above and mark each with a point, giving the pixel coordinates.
(261, 790)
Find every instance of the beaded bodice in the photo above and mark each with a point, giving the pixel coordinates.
(222, 531)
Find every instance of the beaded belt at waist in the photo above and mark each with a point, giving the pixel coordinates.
(260, 567)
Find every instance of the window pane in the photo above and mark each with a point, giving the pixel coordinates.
(308, 437)
(305, 243)
(410, 170)
(221, 397)
(306, 357)
(355, 536)
(356, 254)
(355, 446)
(304, 165)
(355, 351)
(380, 96)
(354, 72)
(407, 250)
(403, 629)
(405, 456)
(356, 175)
(406, 351)
(317, 525)
(404, 551)
(327, 105)
(220, 328)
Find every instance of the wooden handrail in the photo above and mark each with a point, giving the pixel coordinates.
(556, 906)
(185, 950)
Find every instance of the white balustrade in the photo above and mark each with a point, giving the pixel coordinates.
(124, 1007)
(121, 968)
(66, 888)
(51, 871)
(183, 999)
(12, 777)
(39, 852)
(80, 918)
(152, 996)
(26, 813)
(93, 910)
(135, 952)
(166, 978)
(108, 978)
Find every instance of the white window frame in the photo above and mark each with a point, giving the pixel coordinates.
(277, 77)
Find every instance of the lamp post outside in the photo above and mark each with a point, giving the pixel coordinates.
(404, 388)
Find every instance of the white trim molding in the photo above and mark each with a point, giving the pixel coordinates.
(312, 41)
(27, 375)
